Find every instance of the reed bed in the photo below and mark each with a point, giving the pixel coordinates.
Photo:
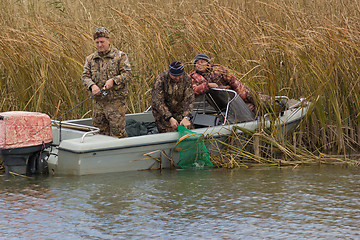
(296, 48)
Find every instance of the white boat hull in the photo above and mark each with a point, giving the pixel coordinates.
(77, 153)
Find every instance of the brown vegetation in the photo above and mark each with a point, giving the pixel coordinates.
(295, 48)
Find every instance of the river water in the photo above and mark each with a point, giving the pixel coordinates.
(266, 203)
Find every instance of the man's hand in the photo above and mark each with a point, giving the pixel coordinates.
(213, 85)
(109, 84)
(95, 90)
(173, 123)
(185, 122)
(225, 87)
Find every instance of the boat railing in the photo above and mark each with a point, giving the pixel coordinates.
(148, 109)
(301, 102)
(220, 107)
(87, 133)
(76, 126)
(230, 97)
(282, 97)
(298, 104)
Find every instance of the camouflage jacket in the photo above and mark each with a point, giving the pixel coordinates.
(99, 68)
(223, 78)
(170, 98)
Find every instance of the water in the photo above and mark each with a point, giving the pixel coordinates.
(267, 203)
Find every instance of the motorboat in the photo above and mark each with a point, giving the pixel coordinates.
(74, 147)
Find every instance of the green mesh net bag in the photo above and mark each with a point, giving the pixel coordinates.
(192, 149)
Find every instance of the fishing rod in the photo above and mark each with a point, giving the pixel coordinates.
(103, 91)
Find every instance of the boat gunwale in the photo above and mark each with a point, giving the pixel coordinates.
(216, 135)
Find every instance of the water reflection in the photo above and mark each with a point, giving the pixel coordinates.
(321, 203)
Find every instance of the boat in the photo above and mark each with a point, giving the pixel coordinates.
(75, 147)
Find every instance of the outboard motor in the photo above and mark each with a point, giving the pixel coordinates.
(24, 136)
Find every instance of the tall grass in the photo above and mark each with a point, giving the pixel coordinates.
(286, 47)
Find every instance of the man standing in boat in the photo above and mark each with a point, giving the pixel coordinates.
(172, 98)
(207, 75)
(106, 75)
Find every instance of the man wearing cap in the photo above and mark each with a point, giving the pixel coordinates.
(207, 75)
(106, 75)
(172, 98)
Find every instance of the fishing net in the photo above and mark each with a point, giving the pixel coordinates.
(192, 149)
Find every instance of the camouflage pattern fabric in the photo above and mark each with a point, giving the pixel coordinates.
(101, 32)
(170, 98)
(226, 80)
(98, 69)
(109, 117)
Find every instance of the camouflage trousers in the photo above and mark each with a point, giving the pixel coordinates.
(109, 117)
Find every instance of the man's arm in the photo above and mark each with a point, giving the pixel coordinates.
(199, 84)
(158, 99)
(189, 98)
(188, 103)
(124, 70)
(86, 75)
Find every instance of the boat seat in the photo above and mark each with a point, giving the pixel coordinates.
(206, 120)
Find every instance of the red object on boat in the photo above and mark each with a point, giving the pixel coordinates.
(23, 129)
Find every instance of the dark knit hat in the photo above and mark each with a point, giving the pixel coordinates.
(201, 56)
(101, 32)
(176, 68)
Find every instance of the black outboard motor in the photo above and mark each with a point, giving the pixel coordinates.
(24, 136)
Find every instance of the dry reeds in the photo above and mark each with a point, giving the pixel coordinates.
(295, 48)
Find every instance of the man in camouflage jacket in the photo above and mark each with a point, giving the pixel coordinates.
(172, 99)
(207, 75)
(106, 75)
